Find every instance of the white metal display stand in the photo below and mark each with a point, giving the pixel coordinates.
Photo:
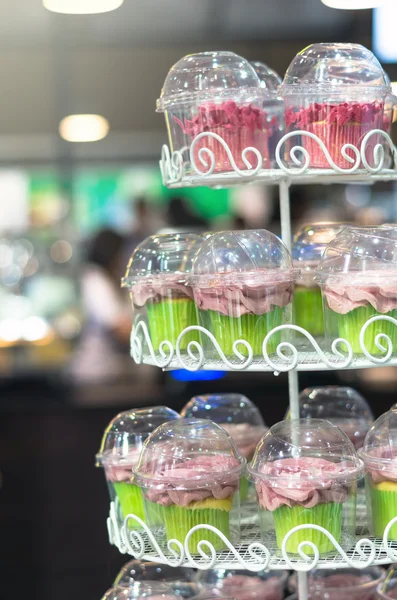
(132, 535)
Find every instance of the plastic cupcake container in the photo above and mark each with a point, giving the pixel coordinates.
(379, 454)
(214, 93)
(120, 448)
(140, 590)
(156, 281)
(387, 590)
(358, 278)
(244, 585)
(306, 472)
(235, 414)
(308, 246)
(343, 584)
(190, 471)
(243, 286)
(336, 92)
(342, 406)
(273, 108)
(181, 580)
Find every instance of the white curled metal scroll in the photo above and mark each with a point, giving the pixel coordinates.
(378, 150)
(391, 552)
(171, 167)
(364, 548)
(381, 340)
(291, 359)
(166, 349)
(115, 537)
(208, 161)
(303, 163)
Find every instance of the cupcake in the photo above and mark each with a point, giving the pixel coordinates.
(156, 280)
(273, 109)
(243, 285)
(180, 579)
(379, 454)
(306, 472)
(244, 585)
(358, 278)
(336, 92)
(141, 590)
(214, 93)
(342, 406)
(120, 448)
(387, 590)
(191, 470)
(344, 584)
(308, 246)
(235, 414)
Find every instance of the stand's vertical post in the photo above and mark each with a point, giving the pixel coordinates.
(303, 589)
(286, 236)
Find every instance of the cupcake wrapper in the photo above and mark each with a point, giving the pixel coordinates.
(327, 515)
(252, 328)
(168, 318)
(384, 509)
(350, 324)
(179, 521)
(131, 501)
(308, 309)
(237, 141)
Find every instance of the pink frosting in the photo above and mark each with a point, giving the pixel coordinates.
(120, 469)
(392, 594)
(244, 297)
(338, 114)
(385, 469)
(244, 587)
(344, 295)
(245, 436)
(195, 480)
(228, 115)
(165, 286)
(306, 493)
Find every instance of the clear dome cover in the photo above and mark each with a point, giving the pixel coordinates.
(270, 81)
(388, 589)
(234, 255)
(335, 68)
(180, 579)
(380, 446)
(162, 255)
(342, 406)
(142, 589)
(301, 453)
(244, 585)
(310, 241)
(205, 76)
(233, 412)
(343, 584)
(124, 436)
(188, 454)
(361, 256)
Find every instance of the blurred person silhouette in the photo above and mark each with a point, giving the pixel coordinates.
(106, 332)
(181, 217)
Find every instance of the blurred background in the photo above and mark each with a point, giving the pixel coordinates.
(70, 216)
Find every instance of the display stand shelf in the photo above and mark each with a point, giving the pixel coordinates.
(250, 553)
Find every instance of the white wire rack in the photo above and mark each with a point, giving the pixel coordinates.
(250, 553)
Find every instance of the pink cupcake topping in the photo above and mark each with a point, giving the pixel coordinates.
(243, 587)
(164, 286)
(338, 114)
(345, 293)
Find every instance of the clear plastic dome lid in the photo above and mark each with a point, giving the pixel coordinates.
(189, 454)
(329, 584)
(336, 68)
(380, 446)
(142, 589)
(162, 255)
(388, 589)
(181, 580)
(233, 412)
(343, 406)
(209, 76)
(310, 241)
(270, 81)
(305, 452)
(361, 256)
(124, 436)
(237, 255)
(244, 584)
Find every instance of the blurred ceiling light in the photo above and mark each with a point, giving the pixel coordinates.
(61, 251)
(83, 128)
(34, 328)
(81, 7)
(353, 4)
